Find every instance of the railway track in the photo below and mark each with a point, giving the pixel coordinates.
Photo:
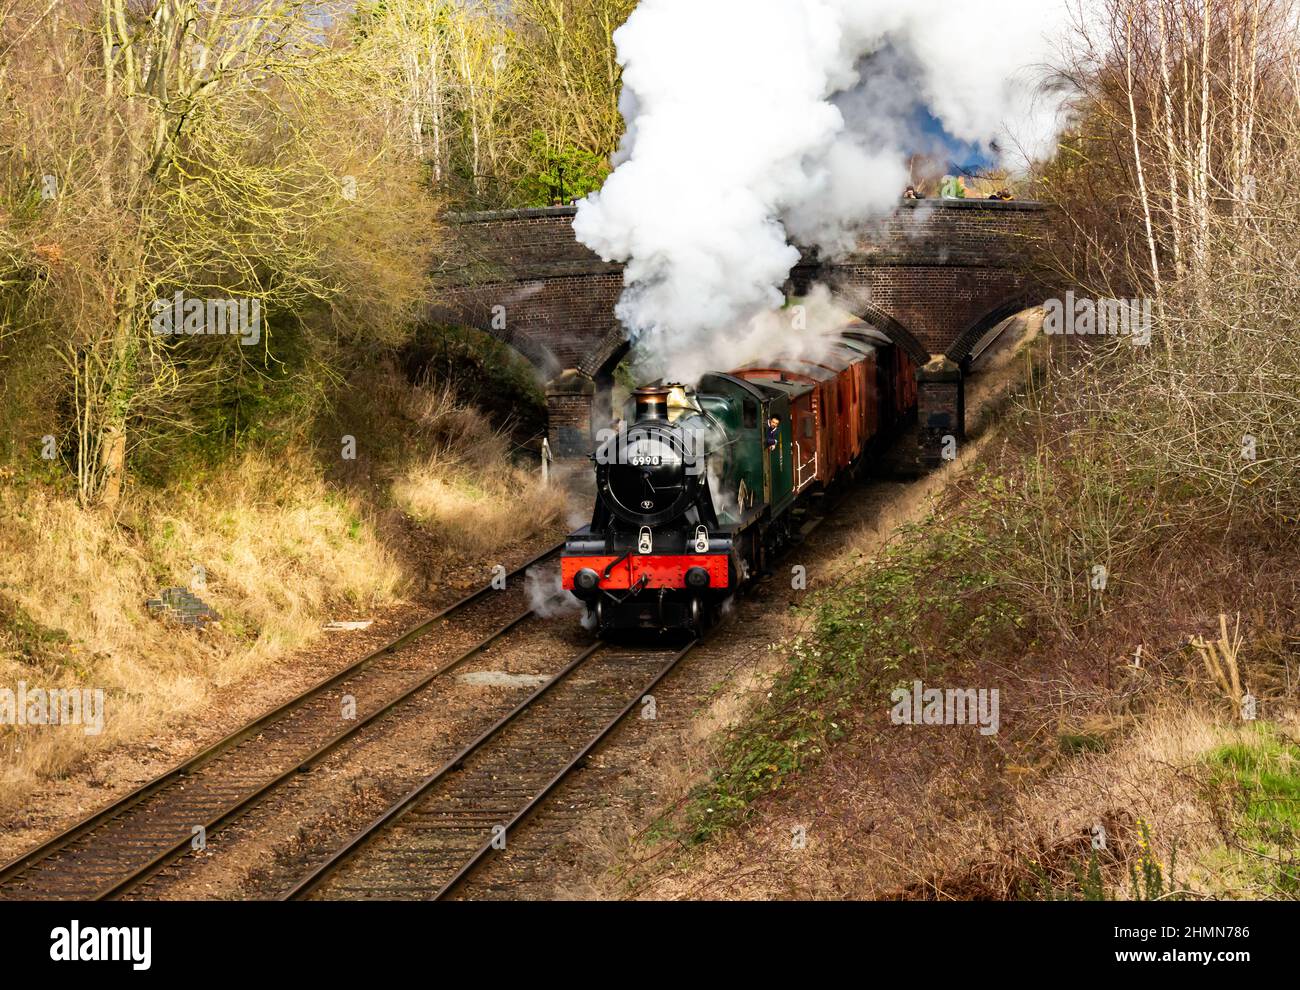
(423, 846)
(426, 844)
(125, 843)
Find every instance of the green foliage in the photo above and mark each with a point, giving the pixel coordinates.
(1265, 776)
(264, 397)
(1146, 876)
(1072, 744)
(925, 603)
(1055, 515)
(1088, 883)
(558, 175)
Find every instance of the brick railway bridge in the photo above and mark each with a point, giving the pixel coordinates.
(936, 276)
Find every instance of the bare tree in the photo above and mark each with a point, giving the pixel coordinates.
(215, 149)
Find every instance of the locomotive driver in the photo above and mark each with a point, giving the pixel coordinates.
(773, 432)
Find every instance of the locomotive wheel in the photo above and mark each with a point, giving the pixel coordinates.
(697, 617)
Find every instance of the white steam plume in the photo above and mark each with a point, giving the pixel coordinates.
(544, 589)
(754, 122)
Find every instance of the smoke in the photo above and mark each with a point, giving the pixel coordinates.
(544, 589)
(752, 123)
(796, 331)
(725, 502)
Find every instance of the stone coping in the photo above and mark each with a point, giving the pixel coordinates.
(543, 212)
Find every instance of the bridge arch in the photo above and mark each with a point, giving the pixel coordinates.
(483, 310)
(966, 340)
(606, 354)
(599, 366)
(894, 330)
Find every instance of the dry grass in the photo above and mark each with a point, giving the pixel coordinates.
(1155, 795)
(281, 551)
(883, 823)
(466, 489)
(472, 513)
(278, 551)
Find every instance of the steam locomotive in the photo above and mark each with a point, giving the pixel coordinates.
(697, 488)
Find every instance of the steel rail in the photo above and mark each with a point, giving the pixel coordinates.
(404, 804)
(123, 804)
(488, 848)
(163, 859)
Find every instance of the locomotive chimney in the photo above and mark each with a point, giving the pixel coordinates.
(651, 402)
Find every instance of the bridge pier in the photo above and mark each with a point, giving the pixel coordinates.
(941, 410)
(569, 400)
